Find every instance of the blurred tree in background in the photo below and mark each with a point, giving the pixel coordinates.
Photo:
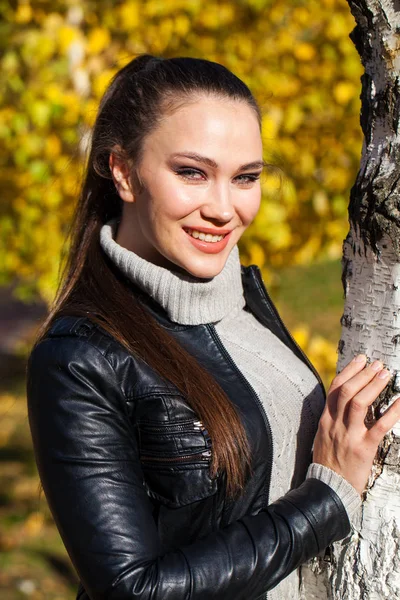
(57, 58)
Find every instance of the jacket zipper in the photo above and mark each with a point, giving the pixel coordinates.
(172, 428)
(186, 428)
(200, 456)
(195, 426)
(230, 360)
(283, 326)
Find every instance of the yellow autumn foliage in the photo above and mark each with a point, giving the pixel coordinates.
(57, 58)
(321, 352)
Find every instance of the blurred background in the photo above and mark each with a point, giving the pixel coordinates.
(56, 59)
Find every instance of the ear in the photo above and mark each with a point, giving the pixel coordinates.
(121, 177)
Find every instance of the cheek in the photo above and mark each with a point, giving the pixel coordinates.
(250, 207)
(175, 202)
(167, 206)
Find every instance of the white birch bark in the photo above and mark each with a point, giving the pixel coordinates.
(366, 566)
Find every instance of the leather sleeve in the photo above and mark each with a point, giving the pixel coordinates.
(89, 466)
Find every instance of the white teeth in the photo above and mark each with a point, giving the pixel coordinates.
(205, 237)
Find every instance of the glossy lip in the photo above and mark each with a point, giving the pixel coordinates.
(209, 247)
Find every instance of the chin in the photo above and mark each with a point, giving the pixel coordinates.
(201, 266)
(204, 269)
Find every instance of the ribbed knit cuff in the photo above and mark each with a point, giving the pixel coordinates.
(349, 496)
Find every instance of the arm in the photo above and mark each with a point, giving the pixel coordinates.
(89, 466)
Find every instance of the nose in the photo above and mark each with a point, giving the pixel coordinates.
(218, 206)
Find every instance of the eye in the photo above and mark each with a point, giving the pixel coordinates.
(248, 178)
(190, 173)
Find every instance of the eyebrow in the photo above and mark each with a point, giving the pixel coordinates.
(257, 164)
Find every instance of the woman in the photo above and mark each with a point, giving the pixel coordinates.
(172, 414)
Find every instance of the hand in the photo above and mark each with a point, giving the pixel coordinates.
(343, 443)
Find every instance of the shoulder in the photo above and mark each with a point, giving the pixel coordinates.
(78, 345)
(74, 348)
(79, 338)
(69, 330)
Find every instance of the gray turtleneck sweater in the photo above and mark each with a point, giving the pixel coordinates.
(287, 388)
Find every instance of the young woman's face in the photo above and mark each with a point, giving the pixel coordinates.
(200, 172)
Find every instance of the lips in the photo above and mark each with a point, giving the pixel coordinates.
(205, 237)
(208, 230)
(207, 240)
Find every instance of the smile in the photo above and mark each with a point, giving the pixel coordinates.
(204, 237)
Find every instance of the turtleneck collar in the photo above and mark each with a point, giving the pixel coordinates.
(187, 300)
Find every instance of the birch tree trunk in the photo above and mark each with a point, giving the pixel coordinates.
(367, 565)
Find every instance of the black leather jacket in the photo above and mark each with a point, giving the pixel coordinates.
(124, 464)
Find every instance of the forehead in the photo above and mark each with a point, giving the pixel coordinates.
(211, 126)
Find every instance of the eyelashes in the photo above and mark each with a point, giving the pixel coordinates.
(187, 173)
(191, 174)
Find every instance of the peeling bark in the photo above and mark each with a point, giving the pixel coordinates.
(366, 566)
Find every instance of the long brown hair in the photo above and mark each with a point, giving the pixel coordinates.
(139, 95)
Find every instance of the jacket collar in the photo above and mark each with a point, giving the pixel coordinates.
(258, 302)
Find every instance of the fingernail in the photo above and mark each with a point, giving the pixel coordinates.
(360, 358)
(377, 365)
(384, 374)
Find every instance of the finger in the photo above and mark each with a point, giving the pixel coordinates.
(353, 386)
(356, 365)
(351, 369)
(386, 422)
(357, 407)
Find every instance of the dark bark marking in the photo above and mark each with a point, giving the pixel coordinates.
(358, 40)
(396, 109)
(365, 113)
(365, 24)
(385, 18)
(375, 196)
(375, 203)
(396, 382)
(346, 321)
(395, 340)
(347, 273)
